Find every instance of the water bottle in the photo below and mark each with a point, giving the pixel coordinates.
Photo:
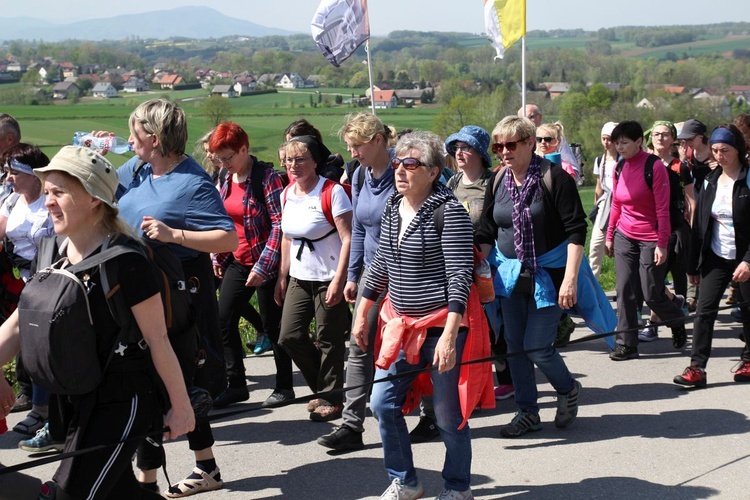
(483, 282)
(102, 145)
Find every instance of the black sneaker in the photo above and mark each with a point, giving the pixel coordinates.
(565, 328)
(623, 352)
(230, 396)
(277, 397)
(679, 336)
(426, 430)
(522, 423)
(342, 438)
(567, 406)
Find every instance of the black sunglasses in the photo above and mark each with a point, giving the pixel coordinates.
(409, 163)
(545, 139)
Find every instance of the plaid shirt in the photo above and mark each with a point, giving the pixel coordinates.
(262, 221)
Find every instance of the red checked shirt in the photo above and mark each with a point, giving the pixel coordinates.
(261, 221)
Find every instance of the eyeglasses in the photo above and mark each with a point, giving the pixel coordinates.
(545, 139)
(463, 149)
(409, 163)
(498, 147)
(226, 160)
(296, 160)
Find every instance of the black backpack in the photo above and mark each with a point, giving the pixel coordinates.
(676, 192)
(58, 339)
(176, 294)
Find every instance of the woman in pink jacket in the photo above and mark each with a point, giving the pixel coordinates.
(637, 237)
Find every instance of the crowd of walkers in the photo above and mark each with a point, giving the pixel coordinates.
(386, 251)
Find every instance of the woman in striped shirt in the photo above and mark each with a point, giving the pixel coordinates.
(428, 279)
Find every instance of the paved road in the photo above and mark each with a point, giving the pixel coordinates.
(637, 436)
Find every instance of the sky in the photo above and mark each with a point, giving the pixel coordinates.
(420, 15)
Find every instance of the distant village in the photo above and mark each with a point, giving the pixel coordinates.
(66, 80)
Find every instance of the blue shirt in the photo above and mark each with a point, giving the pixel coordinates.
(185, 198)
(369, 202)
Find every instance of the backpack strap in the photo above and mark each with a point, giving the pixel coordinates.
(138, 167)
(115, 301)
(648, 171)
(454, 180)
(326, 195)
(438, 217)
(256, 179)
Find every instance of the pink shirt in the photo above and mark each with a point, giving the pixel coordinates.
(637, 211)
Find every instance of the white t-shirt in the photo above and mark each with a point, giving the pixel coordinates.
(605, 170)
(27, 225)
(722, 239)
(303, 218)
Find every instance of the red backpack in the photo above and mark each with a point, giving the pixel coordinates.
(325, 198)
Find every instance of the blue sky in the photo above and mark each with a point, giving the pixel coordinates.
(423, 15)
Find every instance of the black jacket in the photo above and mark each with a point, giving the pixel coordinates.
(700, 236)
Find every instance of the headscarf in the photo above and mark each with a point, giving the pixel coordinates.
(317, 149)
(659, 123)
(18, 166)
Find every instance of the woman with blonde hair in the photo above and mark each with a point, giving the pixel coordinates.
(80, 195)
(549, 137)
(367, 140)
(167, 196)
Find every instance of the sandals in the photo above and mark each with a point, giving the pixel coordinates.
(188, 486)
(29, 425)
(326, 413)
(312, 404)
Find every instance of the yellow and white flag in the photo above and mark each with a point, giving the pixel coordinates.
(339, 27)
(505, 23)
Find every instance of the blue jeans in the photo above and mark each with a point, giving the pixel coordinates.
(386, 402)
(528, 328)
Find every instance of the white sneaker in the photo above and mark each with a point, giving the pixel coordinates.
(455, 495)
(398, 491)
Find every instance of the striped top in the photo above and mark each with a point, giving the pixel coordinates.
(424, 273)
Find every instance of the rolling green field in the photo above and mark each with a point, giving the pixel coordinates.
(263, 116)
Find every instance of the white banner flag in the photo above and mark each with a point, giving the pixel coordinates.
(339, 27)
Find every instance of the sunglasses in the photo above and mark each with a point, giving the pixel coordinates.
(409, 163)
(498, 147)
(547, 140)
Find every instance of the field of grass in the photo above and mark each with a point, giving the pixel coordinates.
(263, 116)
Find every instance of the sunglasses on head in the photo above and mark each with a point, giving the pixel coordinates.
(409, 163)
(539, 140)
(498, 147)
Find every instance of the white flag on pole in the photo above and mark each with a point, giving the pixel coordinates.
(339, 27)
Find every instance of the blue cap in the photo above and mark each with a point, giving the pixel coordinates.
(474, 136)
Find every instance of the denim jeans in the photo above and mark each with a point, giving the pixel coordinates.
(387, 400)
(528, 328)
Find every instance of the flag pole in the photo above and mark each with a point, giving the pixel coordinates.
(369, 72)
(523, 74)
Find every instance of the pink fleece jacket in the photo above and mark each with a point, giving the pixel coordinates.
(637, 211)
